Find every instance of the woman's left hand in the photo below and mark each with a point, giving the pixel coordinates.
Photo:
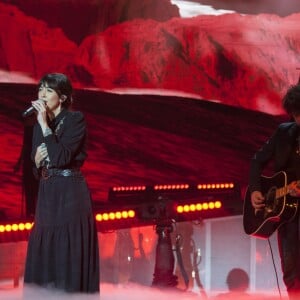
(41, 154)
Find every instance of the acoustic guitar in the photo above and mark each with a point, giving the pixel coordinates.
(279, 208)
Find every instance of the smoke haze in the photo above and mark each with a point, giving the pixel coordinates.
(126, 292)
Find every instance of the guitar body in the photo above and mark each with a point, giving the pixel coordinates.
(280, 207)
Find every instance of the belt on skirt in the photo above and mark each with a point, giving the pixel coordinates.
(47, 173)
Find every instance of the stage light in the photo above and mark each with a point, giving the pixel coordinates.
(115, 215)
(194, 207)
(15, 231)
(109, 217)
(178, 201)
(15, 227)
(125, 195)
(213, 186)
(105, 216)
(21, 226)
(118, 215)
(124, 214)
(131, 213)
(28, 225)
(161, 187)
(142, 205)
(129, 188)
(8, 227)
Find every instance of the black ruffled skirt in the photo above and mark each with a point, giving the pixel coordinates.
(63, 245)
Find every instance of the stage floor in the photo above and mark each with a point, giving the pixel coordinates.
(210, 251)
(126, 292)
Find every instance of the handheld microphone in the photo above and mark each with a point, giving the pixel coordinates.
(28, 112)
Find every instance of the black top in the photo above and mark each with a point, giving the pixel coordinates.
(66, 146)
(282, 148)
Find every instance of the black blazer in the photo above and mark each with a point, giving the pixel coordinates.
(277, 148)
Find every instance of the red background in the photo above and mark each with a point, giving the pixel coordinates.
(167, 99)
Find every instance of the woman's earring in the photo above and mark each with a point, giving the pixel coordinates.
(63, 98)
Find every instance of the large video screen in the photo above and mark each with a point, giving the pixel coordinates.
(173, 91)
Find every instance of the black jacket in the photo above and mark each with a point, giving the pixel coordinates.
(277, 148)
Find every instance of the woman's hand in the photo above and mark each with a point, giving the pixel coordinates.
(40, 155)
(41, 108)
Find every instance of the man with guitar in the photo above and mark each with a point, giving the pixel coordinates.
(271, 203)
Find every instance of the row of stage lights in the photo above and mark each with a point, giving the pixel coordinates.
(115, 215)
(16, 227)
(121, 215)
(179, 209)
(141, 211)
(164, 187)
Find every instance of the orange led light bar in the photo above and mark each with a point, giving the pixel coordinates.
(215, 186)
(15, 227)
(171, 187)
(187, 208)
(129, 188)
(117, 215)
(174, 187)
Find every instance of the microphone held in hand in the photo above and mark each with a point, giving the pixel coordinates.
(28, 112)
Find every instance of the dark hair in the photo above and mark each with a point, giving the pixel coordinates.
(61, 84)
(237, 280)
(291, 100)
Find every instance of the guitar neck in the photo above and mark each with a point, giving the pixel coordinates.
(283, 191)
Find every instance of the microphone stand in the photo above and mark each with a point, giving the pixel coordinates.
(164, 263)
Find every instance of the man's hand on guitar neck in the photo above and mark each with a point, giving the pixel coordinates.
(257, 200)
(294, 189)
